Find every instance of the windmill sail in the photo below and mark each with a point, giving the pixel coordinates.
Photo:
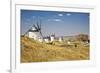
(40, 29)
(35, 31)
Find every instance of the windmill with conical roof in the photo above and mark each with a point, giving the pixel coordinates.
(35, 31)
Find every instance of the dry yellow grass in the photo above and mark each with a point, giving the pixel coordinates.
(33, 51)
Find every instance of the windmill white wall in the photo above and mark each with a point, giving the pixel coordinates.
(60, 39)
(46, 40)
(33, 35)
(52, 38)
(40, 39)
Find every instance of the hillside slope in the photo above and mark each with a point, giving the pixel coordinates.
(34, 51)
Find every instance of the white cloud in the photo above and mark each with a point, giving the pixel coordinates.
(60, 14)
(57, 20)
(68, 14)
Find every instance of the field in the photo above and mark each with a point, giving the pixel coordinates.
(34, 51)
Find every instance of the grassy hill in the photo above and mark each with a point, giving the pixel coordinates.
(34, 51)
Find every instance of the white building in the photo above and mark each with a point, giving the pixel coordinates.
(40, 39)
(52, 38)
(60, 39)
(33, 33)
(46, 39)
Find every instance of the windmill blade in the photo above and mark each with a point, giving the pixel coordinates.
(41, 33)
(27, 31)
(38, 26)
(35, 27)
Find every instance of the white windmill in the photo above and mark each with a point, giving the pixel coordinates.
(35, 32)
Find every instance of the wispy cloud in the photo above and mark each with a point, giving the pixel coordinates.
(60, 14)
(57, 20)
(68, 14)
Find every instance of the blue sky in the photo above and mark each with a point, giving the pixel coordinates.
(60, 23)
